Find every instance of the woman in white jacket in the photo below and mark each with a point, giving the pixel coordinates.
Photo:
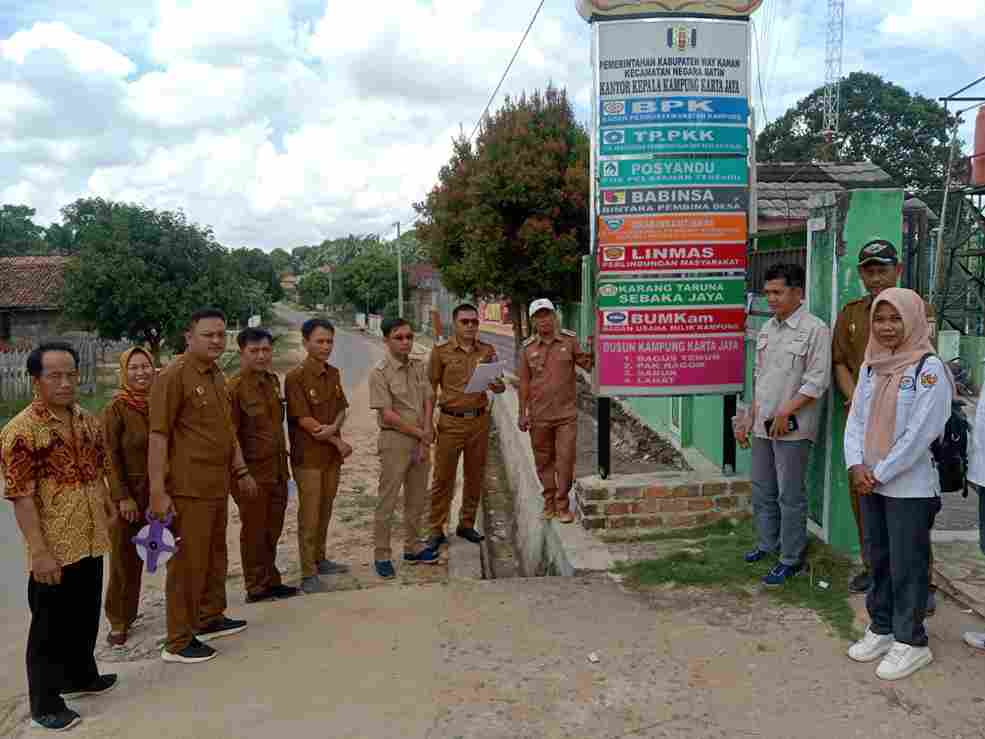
(895, 417)
(976, 476)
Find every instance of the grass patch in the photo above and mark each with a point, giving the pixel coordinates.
(712, 557)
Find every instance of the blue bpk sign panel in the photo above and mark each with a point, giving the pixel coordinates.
(674, 110)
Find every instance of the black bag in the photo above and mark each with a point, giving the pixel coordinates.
(950, 452)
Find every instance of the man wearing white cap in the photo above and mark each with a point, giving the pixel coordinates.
(548, 404)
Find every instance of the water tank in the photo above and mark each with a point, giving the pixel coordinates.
(978, 163)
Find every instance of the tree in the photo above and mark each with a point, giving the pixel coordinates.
(510, 216)
(369, 280)
(906, 135)
(140, 273)
(281, 260)
(260, 267)
(314, 288)
(19, 234)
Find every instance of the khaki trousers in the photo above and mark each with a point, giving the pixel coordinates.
(397, 470)
(554, 446)
(196, 581)
(125, 572)
(455, 437)
(262, 521)
(317, 489)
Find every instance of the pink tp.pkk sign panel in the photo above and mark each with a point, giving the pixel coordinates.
(669, 365)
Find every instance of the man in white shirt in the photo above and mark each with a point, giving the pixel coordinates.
(976, 477)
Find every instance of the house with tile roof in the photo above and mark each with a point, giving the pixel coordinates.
(31, 297)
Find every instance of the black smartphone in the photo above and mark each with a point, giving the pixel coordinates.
(792, 425)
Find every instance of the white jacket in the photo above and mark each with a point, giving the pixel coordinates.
(976, 445)
(922, 409)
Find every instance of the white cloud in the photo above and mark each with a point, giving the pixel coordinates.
(86, 55)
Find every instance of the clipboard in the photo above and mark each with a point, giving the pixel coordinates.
(484, 375)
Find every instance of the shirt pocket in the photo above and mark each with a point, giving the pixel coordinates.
(252, 408)
(795, 355)
(904, 407)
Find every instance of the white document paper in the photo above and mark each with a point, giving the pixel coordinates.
(483, 375)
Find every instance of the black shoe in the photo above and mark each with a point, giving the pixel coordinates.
(469, 534)
(931, 603)
(261, 596)
(384, 568)
(861, 583)
(223, 627)
(99, 686)
(437, 540)
(195, 652)
(328, 567)
(61, 721)
(283, 591)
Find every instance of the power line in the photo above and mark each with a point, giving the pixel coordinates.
(507, 70)
(759, 73)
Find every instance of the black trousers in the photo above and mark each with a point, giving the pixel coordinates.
(897, 538)
(62, 639)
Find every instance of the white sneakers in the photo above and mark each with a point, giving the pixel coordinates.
(870, 647)
(903, 660)
(975, 639)
(898, 660)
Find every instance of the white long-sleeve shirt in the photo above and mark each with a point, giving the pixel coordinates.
(923, 406)
(976, 446)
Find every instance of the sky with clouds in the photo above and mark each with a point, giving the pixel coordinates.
(284, 122)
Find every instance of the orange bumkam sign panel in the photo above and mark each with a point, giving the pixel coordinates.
(602, 9)
(678, 228)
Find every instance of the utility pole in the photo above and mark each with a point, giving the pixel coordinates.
(400, 275)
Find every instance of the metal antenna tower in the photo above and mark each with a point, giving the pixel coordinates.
(834, 50)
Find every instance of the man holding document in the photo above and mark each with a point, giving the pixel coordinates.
(454, 369)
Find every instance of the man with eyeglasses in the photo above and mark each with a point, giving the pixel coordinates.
(54, 464)
(463, 424)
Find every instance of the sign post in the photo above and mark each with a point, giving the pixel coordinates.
(670, 198)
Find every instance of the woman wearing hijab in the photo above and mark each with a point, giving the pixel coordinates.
(894, 419)
(125, 422)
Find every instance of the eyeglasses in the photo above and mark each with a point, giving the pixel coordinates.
(469, 321)
(57, 377)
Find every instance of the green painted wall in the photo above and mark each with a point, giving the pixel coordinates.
(973, 354)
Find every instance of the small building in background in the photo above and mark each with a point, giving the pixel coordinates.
(31, 304)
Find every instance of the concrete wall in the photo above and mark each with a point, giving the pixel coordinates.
(973, 355)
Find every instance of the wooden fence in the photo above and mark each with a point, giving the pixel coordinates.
(15, 382)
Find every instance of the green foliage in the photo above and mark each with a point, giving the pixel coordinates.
(906, 135)
(368, 280)
(281, 261)
(19, 234)
(260, 266)
(712, 557)
(141, 273)
(314, 288)
(510, 215)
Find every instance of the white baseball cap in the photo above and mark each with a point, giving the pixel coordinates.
(541, 304)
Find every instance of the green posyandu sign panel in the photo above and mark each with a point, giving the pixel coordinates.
(673, 171)
(672, 292)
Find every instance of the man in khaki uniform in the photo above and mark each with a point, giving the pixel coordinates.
(316, 411)
(192, 457)
(463, 424)
(878, 267)
(258, 417)
(401, 395)
(548, 404)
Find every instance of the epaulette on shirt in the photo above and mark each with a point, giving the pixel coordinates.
(530, 340)
(381, 365)
(441, 341)
(568, 332)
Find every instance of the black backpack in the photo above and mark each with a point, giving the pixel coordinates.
(950, 452)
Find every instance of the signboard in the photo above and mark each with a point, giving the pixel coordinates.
(670, 365)
(618, 112)
(673, 171)
(609, 9)
(644, 201)
(685, 228)
(677, 57)
(663, 292)
(680, 139)
(683, 321)
(627, 260)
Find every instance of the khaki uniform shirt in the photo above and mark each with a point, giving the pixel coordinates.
(127, 431)
(39, 460)
(313, 390)
(851, 334)
(402, 388)
(549, 367)
(792, 357)
(451, 366)
(258, 417)
(189, 404)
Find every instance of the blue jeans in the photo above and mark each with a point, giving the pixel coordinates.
(779, 498)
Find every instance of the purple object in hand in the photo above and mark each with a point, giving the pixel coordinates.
(155, 543)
